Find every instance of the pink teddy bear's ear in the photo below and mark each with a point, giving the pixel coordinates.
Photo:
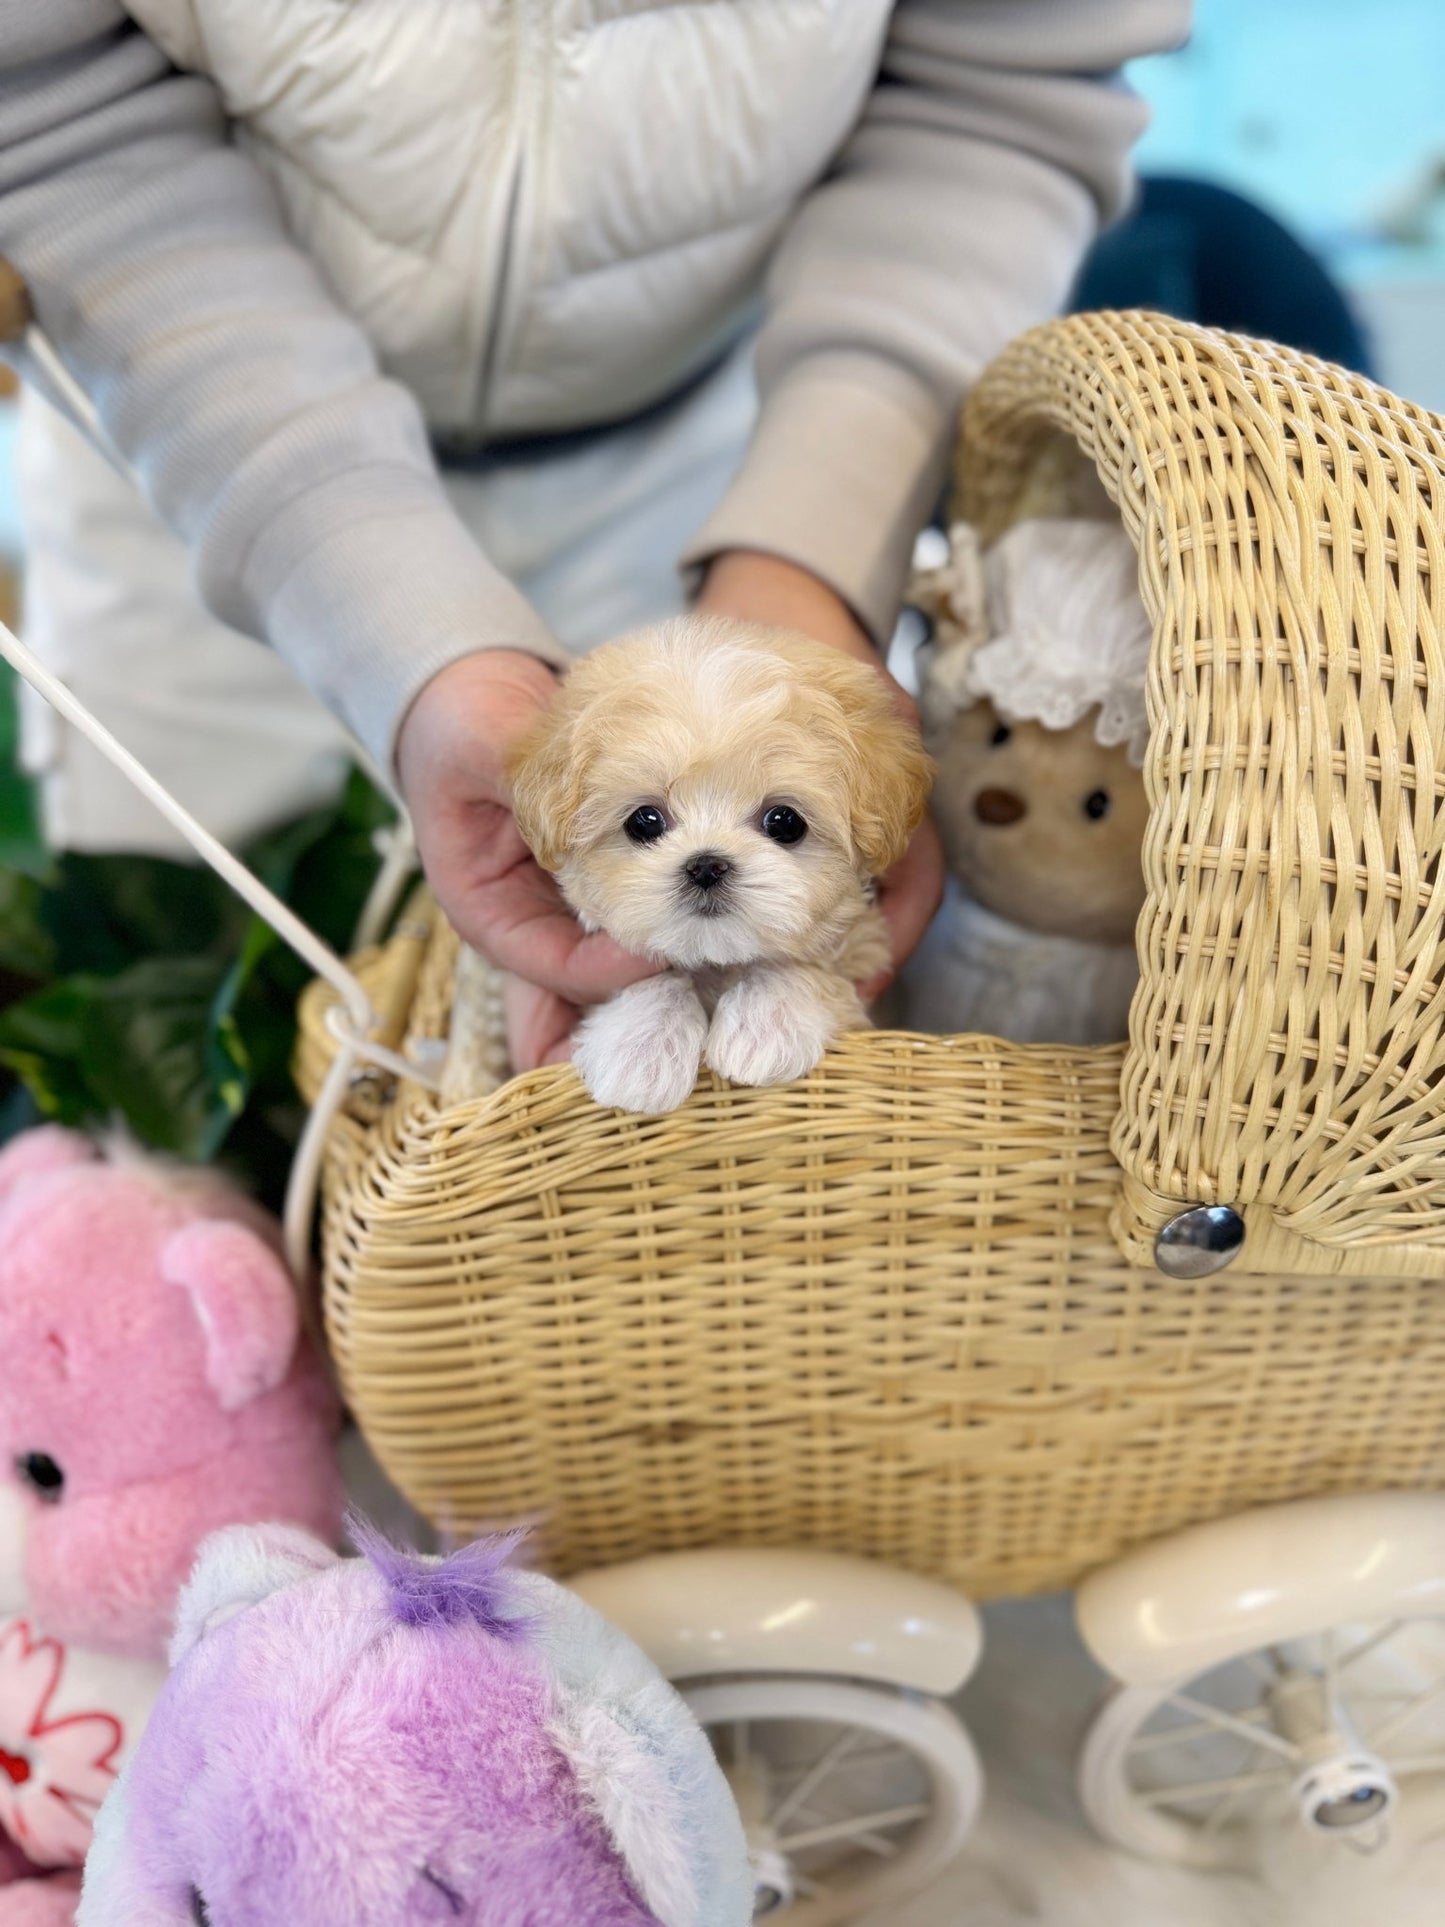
(35, 1153)
(244, 1301)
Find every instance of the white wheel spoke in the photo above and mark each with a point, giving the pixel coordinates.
(1372, 1644)
(854, 1827)
(1182, 1735)
(1389, 1728)
(816, 1775)
(875, 1843)
(856, 1762)
(1214, 1823)
(1210, 1789)
(1235, 1723)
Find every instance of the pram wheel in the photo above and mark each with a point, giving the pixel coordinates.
(1342, 1733)
(852, 1795)
(1281, 1670)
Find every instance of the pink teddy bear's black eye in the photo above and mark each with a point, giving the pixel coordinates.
(41, 1472)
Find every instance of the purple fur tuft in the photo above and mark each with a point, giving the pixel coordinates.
(470, 1587)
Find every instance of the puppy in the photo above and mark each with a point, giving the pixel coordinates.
(720, 797)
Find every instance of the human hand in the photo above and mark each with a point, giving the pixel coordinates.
(451, 760)
(764, 588)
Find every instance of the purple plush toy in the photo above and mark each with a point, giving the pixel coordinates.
(400, 1742)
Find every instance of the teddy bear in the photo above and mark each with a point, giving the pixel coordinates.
(448, 1741)
(154, 1386)
(1033, 708)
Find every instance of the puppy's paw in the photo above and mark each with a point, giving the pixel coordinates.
(773, 1026)
(641, 1051)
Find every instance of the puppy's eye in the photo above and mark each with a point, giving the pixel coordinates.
(646, 825)
(1000, 736)
(1097, 804)
(783, 824)
(199, 1915)
(42, 1474)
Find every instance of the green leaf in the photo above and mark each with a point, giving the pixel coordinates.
(22, 846)
(106, 912)
(40, 1040)
(173, 1007)
(144, 1054)
(324, 865)
(26, 946)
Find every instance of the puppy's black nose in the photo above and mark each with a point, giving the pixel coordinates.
(707, 869)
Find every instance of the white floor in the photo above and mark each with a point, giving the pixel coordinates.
(1033, 1860)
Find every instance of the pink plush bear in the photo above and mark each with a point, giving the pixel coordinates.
(153, 1386)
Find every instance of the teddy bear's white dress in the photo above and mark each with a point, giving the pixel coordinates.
(975, 971)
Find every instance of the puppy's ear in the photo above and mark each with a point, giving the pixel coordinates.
(546, 773)
(891, 781)
(889, 771)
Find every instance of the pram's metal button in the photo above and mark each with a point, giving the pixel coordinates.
(1199, 1241)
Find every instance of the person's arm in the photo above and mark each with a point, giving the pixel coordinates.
(253, 411)
(249, 404)
(994, 144)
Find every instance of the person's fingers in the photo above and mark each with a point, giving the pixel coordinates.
(518, 920)
(539, 1024)
(908, 898)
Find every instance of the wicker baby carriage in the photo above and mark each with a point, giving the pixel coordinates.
(911, 1306)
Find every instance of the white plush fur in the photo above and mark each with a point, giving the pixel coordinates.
(648, 1768)
(640, 1052)
(238, 1567)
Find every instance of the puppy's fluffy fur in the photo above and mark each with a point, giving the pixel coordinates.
(711, 729)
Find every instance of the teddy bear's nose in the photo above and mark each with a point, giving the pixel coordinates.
(999, 806)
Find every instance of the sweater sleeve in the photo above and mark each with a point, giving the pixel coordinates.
(249, 404)
(995, 142)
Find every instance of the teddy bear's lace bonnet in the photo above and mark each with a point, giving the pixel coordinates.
(1046, 624)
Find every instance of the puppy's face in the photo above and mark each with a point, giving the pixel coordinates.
(709, 793)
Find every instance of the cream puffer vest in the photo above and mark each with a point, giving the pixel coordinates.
(544, 213)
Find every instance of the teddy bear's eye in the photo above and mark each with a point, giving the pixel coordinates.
(1097, 804)
(646, 825)
(1000, 736)
(199, 1914)
(41, 1472)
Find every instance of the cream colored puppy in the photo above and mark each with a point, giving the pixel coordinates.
(720, 797)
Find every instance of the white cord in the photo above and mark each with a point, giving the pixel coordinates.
(303, 1180)
(398, 859)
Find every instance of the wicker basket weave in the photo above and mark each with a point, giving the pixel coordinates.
(907, 1307)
